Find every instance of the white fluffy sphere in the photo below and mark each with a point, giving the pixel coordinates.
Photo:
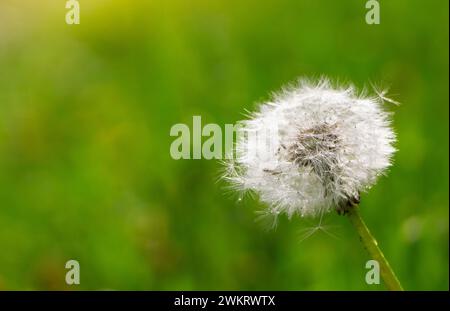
(312, 148)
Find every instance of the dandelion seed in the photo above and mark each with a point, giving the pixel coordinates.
(321, 226)
(314, 148)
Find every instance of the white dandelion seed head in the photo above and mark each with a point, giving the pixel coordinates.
(312, 148)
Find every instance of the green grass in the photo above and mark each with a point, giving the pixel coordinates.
(85, 169)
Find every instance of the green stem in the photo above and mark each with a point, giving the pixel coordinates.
(371, 245)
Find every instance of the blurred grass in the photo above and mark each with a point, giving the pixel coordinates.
(85, 170)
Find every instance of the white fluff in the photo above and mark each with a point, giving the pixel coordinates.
(320, 147)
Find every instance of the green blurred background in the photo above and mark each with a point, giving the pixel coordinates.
(85, 169)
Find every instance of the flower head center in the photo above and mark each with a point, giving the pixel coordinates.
(315, 147)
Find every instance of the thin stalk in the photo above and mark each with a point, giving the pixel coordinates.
(387, 274)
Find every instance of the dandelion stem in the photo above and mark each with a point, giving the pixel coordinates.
(387, 274)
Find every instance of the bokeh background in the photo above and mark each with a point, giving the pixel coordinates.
(85, 169)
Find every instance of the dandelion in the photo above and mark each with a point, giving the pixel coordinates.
(312, 149)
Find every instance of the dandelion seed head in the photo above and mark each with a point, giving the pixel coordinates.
(312, 148)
